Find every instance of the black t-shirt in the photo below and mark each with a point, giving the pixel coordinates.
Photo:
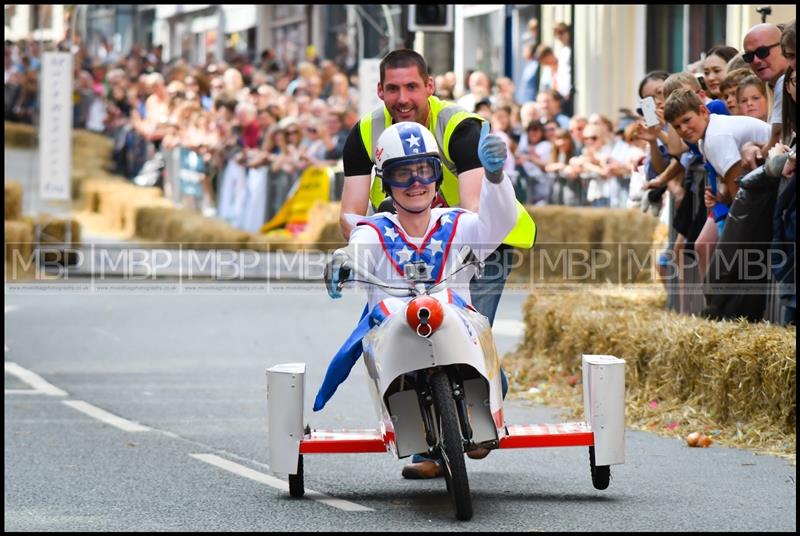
(463, 149)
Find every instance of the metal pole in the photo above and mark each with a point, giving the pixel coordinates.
(392, 42)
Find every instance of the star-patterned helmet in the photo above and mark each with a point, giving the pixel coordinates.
(407, 152)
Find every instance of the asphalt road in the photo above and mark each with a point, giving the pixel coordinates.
(190, 365)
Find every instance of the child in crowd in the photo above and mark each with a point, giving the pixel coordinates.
(720, 137)
(752, 99)
(728, 88)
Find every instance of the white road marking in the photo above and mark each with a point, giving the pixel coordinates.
(10, 308)
(106, 417)
(39, 384)
(277, 483)
(508, 328)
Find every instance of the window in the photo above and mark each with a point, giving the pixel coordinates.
(706, 28)
(42, 17)
(664, 38)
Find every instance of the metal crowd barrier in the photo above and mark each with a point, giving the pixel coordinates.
(689, 297)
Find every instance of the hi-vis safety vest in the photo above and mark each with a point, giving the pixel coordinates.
(443, 119)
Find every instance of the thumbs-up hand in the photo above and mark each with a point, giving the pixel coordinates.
(492, 153)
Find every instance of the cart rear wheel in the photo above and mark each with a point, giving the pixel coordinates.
(601, 474)
(455, 469)
(296, 486)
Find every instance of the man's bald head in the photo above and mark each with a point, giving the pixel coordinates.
(760, 38)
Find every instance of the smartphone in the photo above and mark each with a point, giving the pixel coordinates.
(648, 110)
(702, 81)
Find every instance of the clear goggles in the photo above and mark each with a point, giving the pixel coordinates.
(402, 174)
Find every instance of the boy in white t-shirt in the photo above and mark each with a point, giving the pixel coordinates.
(720, 138)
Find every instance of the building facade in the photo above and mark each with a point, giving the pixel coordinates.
(615, 44)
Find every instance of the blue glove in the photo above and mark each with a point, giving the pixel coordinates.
(335, 273)
(492, 153)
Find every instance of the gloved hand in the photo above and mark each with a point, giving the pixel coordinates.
(335, 272)
(492, 153)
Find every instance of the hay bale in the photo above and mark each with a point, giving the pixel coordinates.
(737, 376)
(586, 245)
(87, 142)
(118, 201)
(628, 242)
(94, 190)
(183, 228)
(151, 222)
(18, 250)
(324, 232)
(274, 241)
(131, 210)
(20, 136)
(53, 229)
(13, 200)
(226, 237)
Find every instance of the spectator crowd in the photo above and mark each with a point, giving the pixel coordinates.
(185, 128)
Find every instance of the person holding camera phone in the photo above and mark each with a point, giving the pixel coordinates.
(662, 172)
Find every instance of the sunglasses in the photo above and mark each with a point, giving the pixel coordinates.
(760, 53)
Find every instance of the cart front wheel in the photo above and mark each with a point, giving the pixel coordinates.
(451, 446)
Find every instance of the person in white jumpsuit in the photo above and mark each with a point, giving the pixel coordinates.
(382, 244)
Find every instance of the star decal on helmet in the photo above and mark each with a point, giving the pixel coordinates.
(413, 141)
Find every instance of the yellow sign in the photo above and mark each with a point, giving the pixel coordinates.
(315, 185)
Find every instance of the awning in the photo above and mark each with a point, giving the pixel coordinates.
(239, 18)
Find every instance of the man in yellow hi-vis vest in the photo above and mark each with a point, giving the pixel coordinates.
(406, 89)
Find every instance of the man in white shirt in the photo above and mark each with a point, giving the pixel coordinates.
(762, 50)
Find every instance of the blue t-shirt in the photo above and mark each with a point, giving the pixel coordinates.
(716, 106)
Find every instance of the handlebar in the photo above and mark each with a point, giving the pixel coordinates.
(466, 258)
(366, 277)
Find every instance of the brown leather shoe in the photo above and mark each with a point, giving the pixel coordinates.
(423, 469)
(478, 453)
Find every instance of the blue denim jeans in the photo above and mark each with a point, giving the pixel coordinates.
(486, 291)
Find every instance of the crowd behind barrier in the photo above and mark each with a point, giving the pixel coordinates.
(230, 138)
